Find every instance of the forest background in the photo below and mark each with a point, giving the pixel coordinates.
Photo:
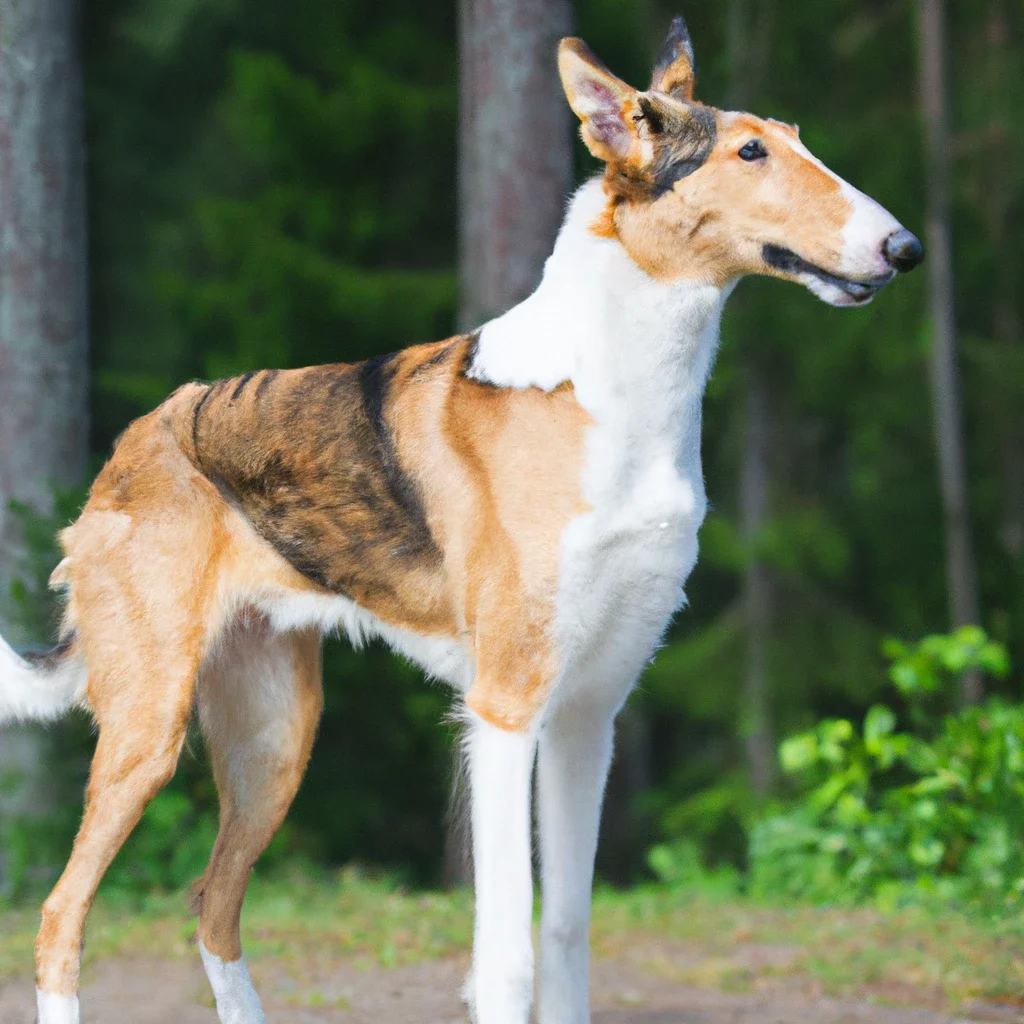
(273, 188)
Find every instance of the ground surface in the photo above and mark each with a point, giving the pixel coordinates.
(147, 991)
(354, 951)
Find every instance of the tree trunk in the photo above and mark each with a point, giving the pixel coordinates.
(515, 171)
(43, 303)
(996, 184)
(961, 574)
(757, 587)
(515, 151)
(748, 49)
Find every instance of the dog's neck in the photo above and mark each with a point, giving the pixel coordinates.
(634, 348)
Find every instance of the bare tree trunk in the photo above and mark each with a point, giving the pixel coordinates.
(748, 49)
(515, 152)
(1008, 334)
(961, 573)
(757, 586)
(43, 301)
(997, 175)
(515, 171)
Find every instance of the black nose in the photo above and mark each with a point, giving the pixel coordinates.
(903, 250)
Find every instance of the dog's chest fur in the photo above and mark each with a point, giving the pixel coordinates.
(638, 353)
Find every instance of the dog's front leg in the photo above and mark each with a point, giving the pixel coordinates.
(500, 988)
(573, 760)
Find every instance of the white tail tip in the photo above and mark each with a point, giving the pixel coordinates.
(39, 690)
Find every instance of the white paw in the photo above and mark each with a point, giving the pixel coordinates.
(237, 1002)
(55, 1009)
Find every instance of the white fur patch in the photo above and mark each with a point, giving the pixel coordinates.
(56, 1009)
(500, 988)
(29, 693)
(638, 353)
(237, 1001)
(440, 657)
(864, 235)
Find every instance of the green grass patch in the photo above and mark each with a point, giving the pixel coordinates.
(915, 955)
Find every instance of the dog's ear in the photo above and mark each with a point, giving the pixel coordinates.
(606, 106)
(676, 71)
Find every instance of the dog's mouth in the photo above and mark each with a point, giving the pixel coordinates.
(830, 287)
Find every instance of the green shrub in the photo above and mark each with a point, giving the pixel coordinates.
(680, 866)
(935, 807)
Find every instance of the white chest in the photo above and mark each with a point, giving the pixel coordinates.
(624, 566)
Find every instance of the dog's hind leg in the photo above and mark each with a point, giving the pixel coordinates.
(141, 735)
(260, 697)
(144, 572)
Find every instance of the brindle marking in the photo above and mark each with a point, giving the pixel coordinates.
(242, 384)
(682, 144)
(338, 506)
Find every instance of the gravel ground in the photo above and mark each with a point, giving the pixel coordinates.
(640, 990)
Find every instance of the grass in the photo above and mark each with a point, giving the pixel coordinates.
(915, 956)
(912, 956)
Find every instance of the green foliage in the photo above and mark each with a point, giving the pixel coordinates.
(303, 922)
(924, 673)
(680, 866)
(29, 603)
(938, 807)
(168, 849)
(35, 846)
(267, 189)
(36, 840)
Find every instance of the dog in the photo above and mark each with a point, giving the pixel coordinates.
(516, 510)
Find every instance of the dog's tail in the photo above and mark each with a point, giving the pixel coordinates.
(40, 687)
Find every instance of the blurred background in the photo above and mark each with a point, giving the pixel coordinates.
(196, 188)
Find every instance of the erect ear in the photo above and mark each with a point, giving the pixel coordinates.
(685, 134)
(676, 69)
(606, 106)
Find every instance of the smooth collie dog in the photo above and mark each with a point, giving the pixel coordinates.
(516, 510)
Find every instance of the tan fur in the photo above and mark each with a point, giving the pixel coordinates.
(260, 697)
(499, 470)
(588, 82)
(712, 225)
(676, 79)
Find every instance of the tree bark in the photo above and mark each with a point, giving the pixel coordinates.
(961, 572)
(43, 300)
(515, 171)
(996, 170)
(515, 152)
(748, 49)
(757, 585)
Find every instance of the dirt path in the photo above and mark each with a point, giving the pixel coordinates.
(124, 991)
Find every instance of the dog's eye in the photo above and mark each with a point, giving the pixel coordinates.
(753, 150)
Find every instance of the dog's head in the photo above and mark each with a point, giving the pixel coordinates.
(712, 195)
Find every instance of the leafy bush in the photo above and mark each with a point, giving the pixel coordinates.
(680, 866)
(937, 806)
